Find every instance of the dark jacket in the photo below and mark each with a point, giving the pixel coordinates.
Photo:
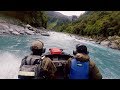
(94, 72)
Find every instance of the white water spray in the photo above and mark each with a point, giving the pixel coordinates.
(9, 66)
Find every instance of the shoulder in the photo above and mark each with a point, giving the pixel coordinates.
(91, 63)
(30, 55)
(26, 57)
(46, 59)
(68, 61)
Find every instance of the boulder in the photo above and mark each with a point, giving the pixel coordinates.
(16, 29)
(22, 32)
(29, 27)
(105, 43)
(27, 31)
(113, 37)
(7, 31)
(98, 42)
(40, 28)
(45, 34)
(3, 31)
(91, 39)
(0, 33)
(37, 31)
(110, 37)
(15, 33)
(114, 45)
(10, 30)
(3, 26)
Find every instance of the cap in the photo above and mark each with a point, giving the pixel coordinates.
(37, 44)
(81, 49)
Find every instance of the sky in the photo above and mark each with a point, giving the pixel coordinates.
(70, 13)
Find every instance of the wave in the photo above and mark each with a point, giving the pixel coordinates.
(9, 65)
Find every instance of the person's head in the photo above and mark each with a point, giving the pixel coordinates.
(37, 47)
(81, 49)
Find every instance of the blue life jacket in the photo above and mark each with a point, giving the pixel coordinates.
(79, 70)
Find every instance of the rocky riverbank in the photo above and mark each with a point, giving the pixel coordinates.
(12, 26)
(11, 29)
(111, 42)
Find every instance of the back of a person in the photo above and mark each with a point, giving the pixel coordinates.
(33, 59)
(79, 70)
(36, 65)
(31, 67)
(81, 66)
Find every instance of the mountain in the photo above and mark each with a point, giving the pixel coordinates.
(56, 14)
(55, 19)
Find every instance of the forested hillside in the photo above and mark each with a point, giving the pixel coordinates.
(94, 23)
(34, 18)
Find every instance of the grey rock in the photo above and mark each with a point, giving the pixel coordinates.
(11, 30)
(3, 27)
(105, 43)
(98, 42)
(27, 31)
(29, 27)
(22, 32)
(113, 45)
(45, 34)
(15, 33)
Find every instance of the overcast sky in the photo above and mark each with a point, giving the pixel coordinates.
(70, 13)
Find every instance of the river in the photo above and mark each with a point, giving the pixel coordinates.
(14, 48)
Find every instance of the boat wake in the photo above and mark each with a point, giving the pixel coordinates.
(9, 66)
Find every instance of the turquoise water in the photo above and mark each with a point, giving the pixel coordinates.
(14, 48)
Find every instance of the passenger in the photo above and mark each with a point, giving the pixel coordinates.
(81, 66)
(35, 62)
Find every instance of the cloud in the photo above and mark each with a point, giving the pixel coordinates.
(70, 13)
